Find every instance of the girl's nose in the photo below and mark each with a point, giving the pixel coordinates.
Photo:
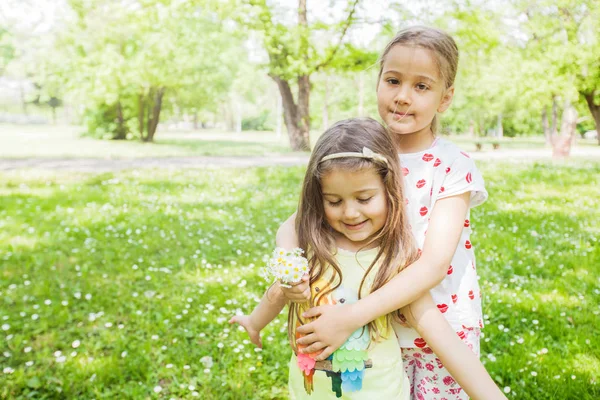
(351, 212)
(403, 94)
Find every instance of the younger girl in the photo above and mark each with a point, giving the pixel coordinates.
(416, 78)
(352, 225)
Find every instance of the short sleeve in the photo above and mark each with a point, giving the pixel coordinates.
(463, 176)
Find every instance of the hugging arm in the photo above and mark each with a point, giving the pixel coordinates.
(459, 360)
(336, 324)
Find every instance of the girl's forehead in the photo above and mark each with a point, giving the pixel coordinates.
(411, 60)
(339, 180)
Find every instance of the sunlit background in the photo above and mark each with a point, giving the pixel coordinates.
(149, 150)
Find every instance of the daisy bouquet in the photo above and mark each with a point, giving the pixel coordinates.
(286, 266)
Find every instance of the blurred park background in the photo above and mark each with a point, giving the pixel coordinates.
(149, 150)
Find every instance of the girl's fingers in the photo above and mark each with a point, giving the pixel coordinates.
(325, 353)
(313, 312)
(305, 329)
(313, 348)
(307, 340)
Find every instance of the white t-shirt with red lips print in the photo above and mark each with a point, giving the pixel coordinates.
(442, 171)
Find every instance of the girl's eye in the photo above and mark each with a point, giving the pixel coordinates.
(334, 203)
(422, 87)
(392, 81)
(365, 201)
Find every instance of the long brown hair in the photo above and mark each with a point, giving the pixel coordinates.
(316, 237)
(442, 46)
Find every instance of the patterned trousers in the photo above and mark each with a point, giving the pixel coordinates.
(429, 379)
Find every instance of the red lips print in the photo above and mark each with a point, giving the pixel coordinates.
(467, 223)
(437, 162)
(427, 157)
(471, 295)
(468, 244)
(420, 342)
(450, 270)
(442, 307)
(423, 211)
(465, 154)
(469, 178)
(448, 170)
(421, 183)
(405, 171)
(461, 335)
(441, 190)
(454, 298)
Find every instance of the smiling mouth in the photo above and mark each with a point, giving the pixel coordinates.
(398, 115)
(354, 226)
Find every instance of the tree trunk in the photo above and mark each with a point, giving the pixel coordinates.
(561, 145)
(361, 94)
(595, 110)
(141, 114)
(545, 126)
(279, 113)
(325, 123)
(195, 120)
(121, 132)
(291, 115)
(499, 129)
(154, 114)
(554, 116)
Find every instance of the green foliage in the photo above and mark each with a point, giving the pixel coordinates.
(257, 123)
(116, 284)
(116, 53)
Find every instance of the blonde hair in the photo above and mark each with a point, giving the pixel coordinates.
(316, 237)
(442, 46)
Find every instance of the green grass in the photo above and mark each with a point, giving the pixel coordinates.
(112, 285)
(17, 141)
(65, 141)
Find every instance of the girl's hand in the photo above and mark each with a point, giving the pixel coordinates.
(333, 327)
(299, 292)
(253, 333)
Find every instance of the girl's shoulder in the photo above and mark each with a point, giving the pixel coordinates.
(448, 150)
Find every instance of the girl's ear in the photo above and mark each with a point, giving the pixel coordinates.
(446, 99)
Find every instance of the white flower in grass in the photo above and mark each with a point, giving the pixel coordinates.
(157, 389)
(75, 344)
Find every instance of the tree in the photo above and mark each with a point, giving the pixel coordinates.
(293, 56)
(565, 36)
(127, 61)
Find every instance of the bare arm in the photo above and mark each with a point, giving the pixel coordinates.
(335, 325)
(266, 311)
(459, 360)
(274, 300)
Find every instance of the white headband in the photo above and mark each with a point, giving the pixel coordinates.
(366, 153)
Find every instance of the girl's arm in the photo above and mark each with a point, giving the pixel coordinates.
(266, 311)
(459, 360)
(336, 324)
(274, 299)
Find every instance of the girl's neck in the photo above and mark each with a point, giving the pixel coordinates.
(414, 142)
(343, 242)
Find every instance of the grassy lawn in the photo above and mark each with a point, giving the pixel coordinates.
(120, 285)
(65, 141)
(18, 141)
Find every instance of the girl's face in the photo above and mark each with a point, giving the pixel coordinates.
(411, 91)
(355, 205)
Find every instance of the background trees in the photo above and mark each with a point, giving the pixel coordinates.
(122, 67)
